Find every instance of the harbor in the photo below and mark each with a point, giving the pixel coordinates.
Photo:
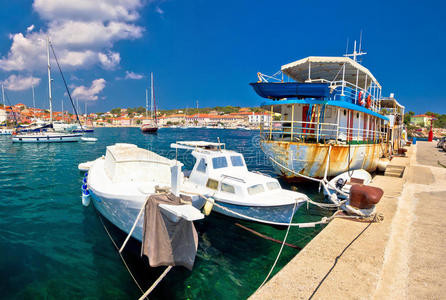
(55, 259)
(202, 150)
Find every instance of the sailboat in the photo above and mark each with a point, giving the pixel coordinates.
(47, 136)
(151, 127)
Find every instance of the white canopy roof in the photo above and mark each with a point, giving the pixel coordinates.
(329, 68)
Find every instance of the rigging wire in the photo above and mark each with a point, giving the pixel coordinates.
(65, 83)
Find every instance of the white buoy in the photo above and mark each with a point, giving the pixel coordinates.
(85, 198)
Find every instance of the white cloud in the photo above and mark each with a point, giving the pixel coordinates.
(109, 60)
(89, 93)
(88, 10)
(133, 75)
(30, 28)
(20, 83)
(82, 31)
(159, 10)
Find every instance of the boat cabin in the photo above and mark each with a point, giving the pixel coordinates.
(225, 171)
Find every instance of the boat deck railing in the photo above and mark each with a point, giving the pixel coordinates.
(300, 131)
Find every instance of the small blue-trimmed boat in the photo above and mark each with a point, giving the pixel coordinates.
(222, 175)
(333, 118)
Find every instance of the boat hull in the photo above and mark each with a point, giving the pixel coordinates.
(311, 159)
(121, 213)
(277, 214)
(46, 138)
(149, 129)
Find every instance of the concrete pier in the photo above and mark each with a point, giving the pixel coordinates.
(401, 257)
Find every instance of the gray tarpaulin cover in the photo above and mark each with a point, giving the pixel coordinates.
(167, 243)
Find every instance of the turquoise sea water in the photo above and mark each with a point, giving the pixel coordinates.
(51, 247)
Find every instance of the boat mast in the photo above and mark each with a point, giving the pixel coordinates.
(151, 97)
(34, 100)
(3, 96)
(63, 119)
(49, 78)
(147, 103)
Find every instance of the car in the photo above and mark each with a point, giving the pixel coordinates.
(441, 142)
(444, 146)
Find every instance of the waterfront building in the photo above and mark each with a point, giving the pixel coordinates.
(421, 120)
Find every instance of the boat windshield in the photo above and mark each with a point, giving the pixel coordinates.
(237, 161)
(219, 162)
(273, 185)
(256, 189)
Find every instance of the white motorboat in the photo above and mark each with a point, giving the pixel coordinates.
(344, 181)
(120, 183)
(222, 175)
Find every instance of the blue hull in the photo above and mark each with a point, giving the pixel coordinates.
(278, 214)
(280, 90)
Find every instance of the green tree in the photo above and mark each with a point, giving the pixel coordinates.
(116, 111)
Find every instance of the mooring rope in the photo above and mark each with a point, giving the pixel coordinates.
(120, 255)
(155, 283)
(281, 248)
(133, 227)
(324, 220)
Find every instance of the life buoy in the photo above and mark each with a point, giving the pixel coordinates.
(360, 101)
(369, 101)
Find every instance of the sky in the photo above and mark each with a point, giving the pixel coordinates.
(209, 51)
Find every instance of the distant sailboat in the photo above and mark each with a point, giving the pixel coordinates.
(151, 127)
(47, 136)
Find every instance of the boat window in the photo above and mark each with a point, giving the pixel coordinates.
(202, 166)
(273, 185)
(219, 162)
(256, 189)
(237, 161)
(227, 188)
(212, 184)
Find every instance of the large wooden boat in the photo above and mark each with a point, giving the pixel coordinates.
(333, 118)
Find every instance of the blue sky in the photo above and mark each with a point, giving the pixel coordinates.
(211, 50)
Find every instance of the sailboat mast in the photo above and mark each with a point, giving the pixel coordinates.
(3, 96)
(49, 78)
(62, 112)
(151, 95)
(34, 100)
(147, 102)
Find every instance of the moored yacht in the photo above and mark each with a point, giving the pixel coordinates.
(48, 135)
